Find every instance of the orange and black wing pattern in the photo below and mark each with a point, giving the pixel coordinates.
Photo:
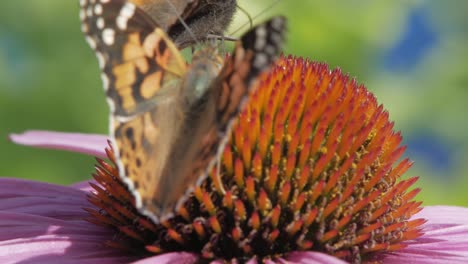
(141, 71)
(210, 117)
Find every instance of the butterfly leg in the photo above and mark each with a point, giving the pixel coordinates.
(218, 183)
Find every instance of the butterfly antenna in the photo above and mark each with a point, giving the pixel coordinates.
(246, 14)
(189, 30)
(229, 38)
(251, 19)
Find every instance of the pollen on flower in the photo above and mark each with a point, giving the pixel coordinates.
(313, 163)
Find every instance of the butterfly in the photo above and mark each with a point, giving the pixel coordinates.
(169, 121)
(204, 18)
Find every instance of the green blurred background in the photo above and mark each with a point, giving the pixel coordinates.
(411, 54)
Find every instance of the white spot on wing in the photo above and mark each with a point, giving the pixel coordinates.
(261, 32)
(127, 11)
(91, 42)
(260, 40)
(82, 14)
(98, 9)
(101, 60)
(277, 23)
(260, 61)
(111, 104)
(84, 28)
(89, 11)
(108, 36)
(105, 81)
(100, 23)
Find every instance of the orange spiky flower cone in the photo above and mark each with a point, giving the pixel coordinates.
(313, 164)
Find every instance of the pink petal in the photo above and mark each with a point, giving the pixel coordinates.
(250, 261)
(446, 215)
(91, 144)
(44, 199)
(311, 257)
(83, 186)
(445, 239)
(44, 223)
(169, 258)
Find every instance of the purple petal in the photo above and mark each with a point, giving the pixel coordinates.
(176, 258)
(91, 144)
(445, 239)
(83, 186)
(446, 215)
(41, 199)
(252, 261)
(311, 257)
(44, 223)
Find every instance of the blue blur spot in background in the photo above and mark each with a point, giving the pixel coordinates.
(436, 153)
(17, 61)
(13, 51)
(418, 38)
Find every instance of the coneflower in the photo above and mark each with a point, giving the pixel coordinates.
(312, 164)
(313, 172)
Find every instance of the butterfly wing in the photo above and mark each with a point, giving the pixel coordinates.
(141, 72)
(209, 118)
(166, 143)
(203, 17)
(253, 54)
(165, 12)
(135, 57)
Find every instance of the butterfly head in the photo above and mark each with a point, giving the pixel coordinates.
(205, 67)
